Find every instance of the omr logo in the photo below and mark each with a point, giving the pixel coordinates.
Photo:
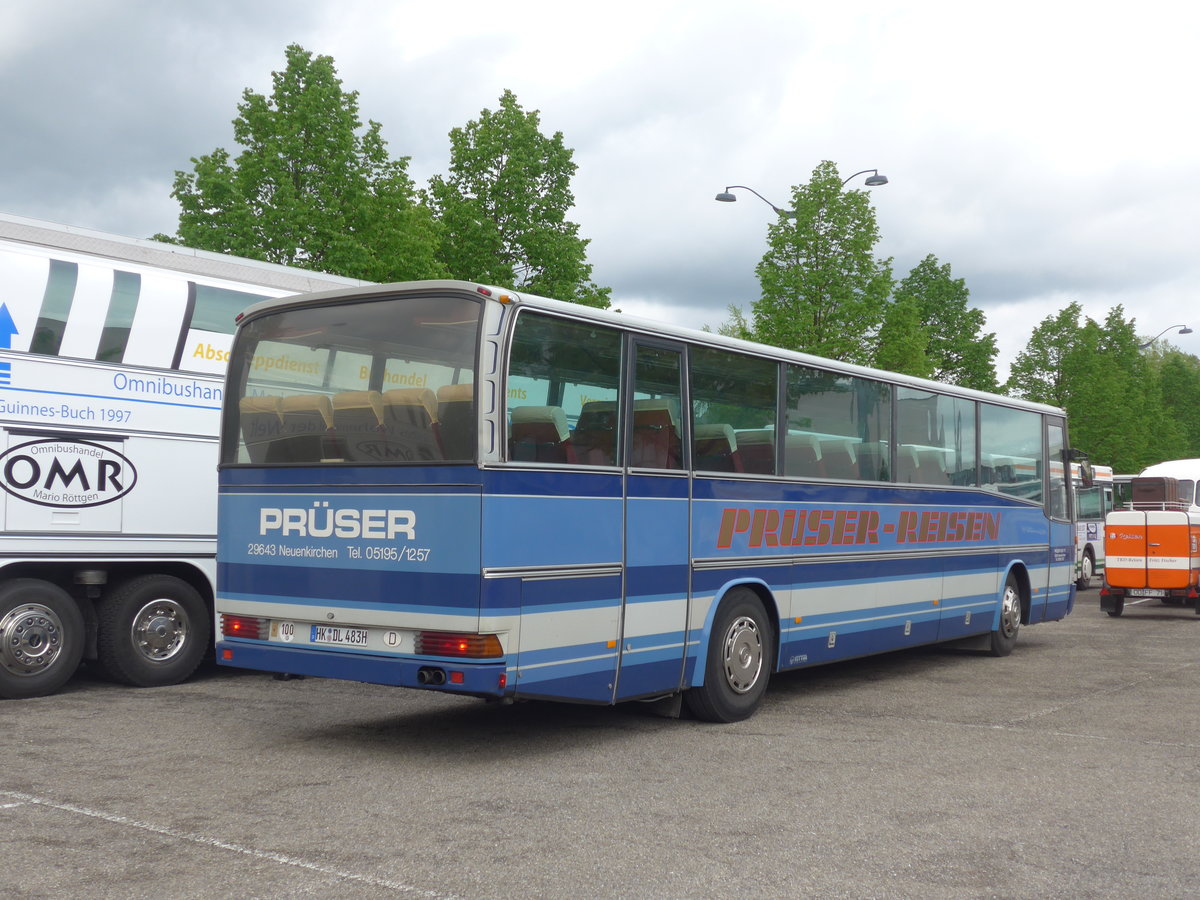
(66, 473)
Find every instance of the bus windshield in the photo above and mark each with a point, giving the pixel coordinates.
(378, 381)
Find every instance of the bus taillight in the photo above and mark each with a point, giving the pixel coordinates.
(244, 627)
(468, 646)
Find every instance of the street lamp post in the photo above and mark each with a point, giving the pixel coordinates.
(1183, 329)
(727, 195)
(874, 181)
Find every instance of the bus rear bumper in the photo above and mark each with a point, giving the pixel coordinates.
(455, 676)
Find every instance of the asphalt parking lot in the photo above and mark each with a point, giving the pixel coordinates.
(1068, 769)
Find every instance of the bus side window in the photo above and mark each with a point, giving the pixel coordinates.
(733, 396)
(562, 371)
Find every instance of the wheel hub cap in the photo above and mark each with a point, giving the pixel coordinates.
(30, 639)
(743, 654)
(160, 630)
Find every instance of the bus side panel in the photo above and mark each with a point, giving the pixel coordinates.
(972, 586)
(1125, 540)
(555, 537)
(656, 586)
(1060, 593)
(568, 646)
(867, 570)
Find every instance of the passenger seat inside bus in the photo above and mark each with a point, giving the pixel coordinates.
(307, 432)
(802, 455)
(358, 419)
(411, 424)
(872, 460)
(595, 435)
(456, 420)
(907, 466)
(839, 458)
(931, 466)
(540, 434)
(656, 443)
(715, 449)
(757, 450)
(261, 421)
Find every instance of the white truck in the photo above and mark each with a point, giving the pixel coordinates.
(112, 360)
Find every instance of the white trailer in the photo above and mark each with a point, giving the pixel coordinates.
(112, 360)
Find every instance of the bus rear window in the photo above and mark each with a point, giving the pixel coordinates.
(375, 381)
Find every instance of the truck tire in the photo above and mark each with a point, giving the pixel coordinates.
(41, 638)
(153, 631)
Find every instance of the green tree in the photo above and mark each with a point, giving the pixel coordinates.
(823, 291)
(736, 326)
(503, 208)
(958, 349)
(903, 340)
(1038, 372)
(1099, 376)
(308, 189)
(1178, 376)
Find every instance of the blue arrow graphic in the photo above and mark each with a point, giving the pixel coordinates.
(7, 329)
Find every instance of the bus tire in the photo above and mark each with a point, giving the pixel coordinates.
(1118, 607)
(1087, 568)
(1004, 638)
(739, 661)
(41, 638)
(153, 630)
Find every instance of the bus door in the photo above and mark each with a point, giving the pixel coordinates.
(1059, 575)
(657, 515)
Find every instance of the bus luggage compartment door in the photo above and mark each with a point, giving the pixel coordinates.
(1125, 545)
(1169, 550)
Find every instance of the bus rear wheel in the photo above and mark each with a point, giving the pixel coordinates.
(739, 661)
(41, 638)
(1004, 638)
(153, 631)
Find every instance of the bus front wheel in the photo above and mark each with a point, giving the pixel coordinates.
(153, 630)
(1087, 568)
(41, 638)
(1004, 638)
(739, 661)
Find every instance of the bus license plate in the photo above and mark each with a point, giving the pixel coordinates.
(1148, 592)
(333, 634)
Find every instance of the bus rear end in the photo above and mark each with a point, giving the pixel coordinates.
(350, 498)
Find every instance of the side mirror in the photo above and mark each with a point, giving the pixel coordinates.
(1087, 474)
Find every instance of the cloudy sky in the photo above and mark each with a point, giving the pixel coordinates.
(1046, 151)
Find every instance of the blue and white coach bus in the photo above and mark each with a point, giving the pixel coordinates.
(464, 489)
(112, 359)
